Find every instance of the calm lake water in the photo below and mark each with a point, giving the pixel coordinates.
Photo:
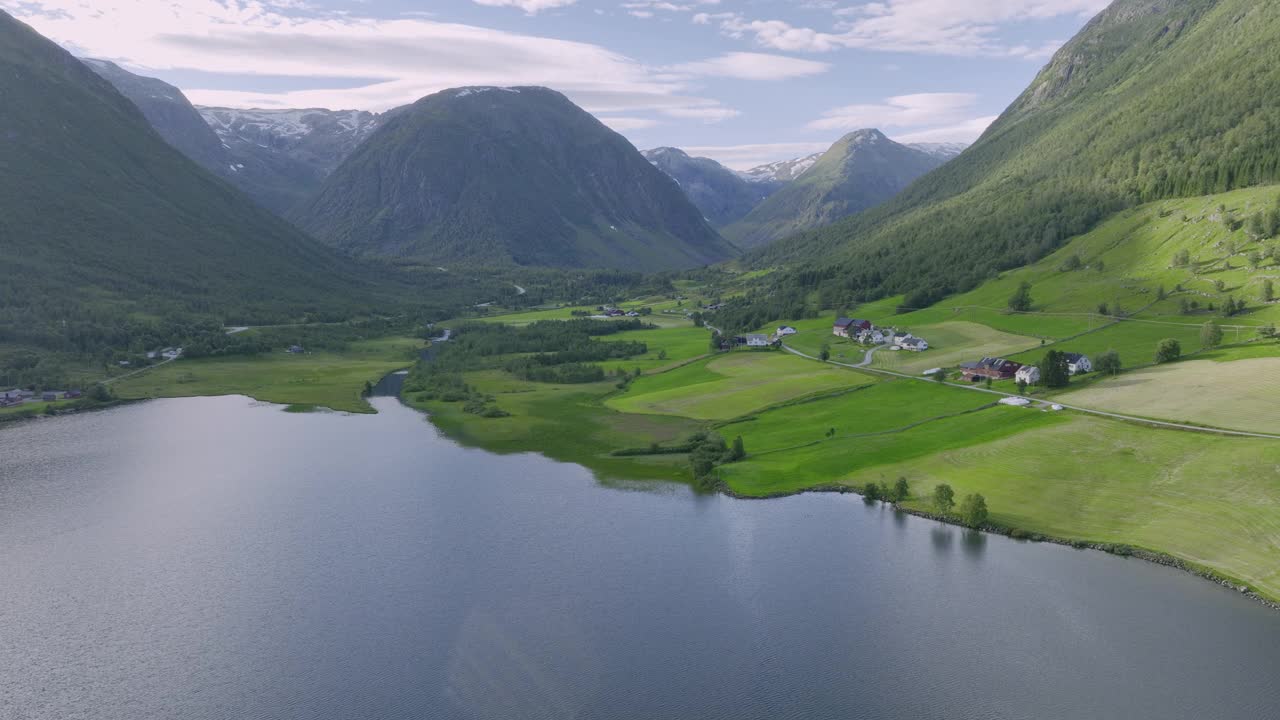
(218, 558)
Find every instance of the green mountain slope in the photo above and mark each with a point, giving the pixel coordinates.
(508, 175)
(862, 170)
(722, 195)
(103, 223)
(1152, 100)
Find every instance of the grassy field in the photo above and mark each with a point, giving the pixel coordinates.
(324, 379)
(835, 461)
(1214, 501)
(564, 422)
(732, 385)
(1240, 395)
(1135, 341)
(680, 344)
(950, 344)
(883, 407)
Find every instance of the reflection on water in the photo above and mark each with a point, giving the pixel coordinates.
(217, 558)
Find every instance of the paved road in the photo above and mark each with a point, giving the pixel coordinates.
(1090, 411)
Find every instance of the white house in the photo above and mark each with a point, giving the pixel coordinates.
(784, 330)
(913, 344)
(1078, 364)
(1028, 375)
(756, 340)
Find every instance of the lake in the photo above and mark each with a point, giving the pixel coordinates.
(220, 558)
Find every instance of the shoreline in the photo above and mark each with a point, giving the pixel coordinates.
(1118, 549)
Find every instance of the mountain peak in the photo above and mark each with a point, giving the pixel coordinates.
(865, 136)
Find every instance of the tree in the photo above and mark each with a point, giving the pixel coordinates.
(1108, 363)
(1102, 309)
(1210, 334)
(1072, 264)
(1256, 227)
(1268, 291)
(825, 353)
(1022, 386)
(1168, 350)
(1055, 371)
(901, 490)
(872, 492)
(944, 498)
(1020, 301)
(941, 375)
(973, 510)
(739, 450)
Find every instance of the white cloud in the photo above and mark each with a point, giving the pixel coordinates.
(966, 132)
(745, 157)
(752, 66)
(944, 27)
(408, 56)
(531, 7)
(909, 111)
(622, 124)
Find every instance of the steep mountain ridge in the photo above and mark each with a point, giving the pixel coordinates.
(722, 195)
(781, 171)
(508, 175)
(1153, 99)
(103, 220)
(861, 170)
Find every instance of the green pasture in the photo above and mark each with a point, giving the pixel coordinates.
(883, 407)
(333, 380)
(1210, 500)
(732, 385)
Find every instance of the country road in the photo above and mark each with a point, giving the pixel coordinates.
(1101, 413)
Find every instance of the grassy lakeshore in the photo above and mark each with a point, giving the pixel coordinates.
(333, 380)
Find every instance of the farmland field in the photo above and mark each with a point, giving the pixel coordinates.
(680, 344)
(1241, 395)
(1135, 341)
(733, 385)
(1206, 499)
(882, 407)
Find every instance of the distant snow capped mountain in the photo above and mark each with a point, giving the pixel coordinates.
(722, 195)
(320, 138)
(946, 151)
(783, 171)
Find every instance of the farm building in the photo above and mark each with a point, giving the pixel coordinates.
(784, 330)
(992, 368)
(757, 340)
(1028, 374)
(913, 344)
(1078, 364)
(849, 328)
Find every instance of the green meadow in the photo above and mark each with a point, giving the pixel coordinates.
(334, 380)
(732, 385)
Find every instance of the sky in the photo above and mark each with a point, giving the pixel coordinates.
(741, 81)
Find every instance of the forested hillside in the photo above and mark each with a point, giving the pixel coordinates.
(1151, 100)
(105, 228)
(861, 170)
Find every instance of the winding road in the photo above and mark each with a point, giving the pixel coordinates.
(866, 362)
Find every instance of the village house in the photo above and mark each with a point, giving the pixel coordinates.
(910, 342)
(1078, 364)
(1028, 375)
(784, 330)
(757, 340)
(849, 328)
(295, 349)
(990, 368)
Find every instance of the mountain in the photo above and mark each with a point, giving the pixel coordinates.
(943, 150)
(104, 222)
(508, 175)
(782, 171)
(277, 157)
(1153, 99)
(861, 170)
(301, 146)
(722, 195)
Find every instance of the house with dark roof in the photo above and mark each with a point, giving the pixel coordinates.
(849, 327)
(990, 368)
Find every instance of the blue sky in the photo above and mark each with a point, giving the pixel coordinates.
(743, 81)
